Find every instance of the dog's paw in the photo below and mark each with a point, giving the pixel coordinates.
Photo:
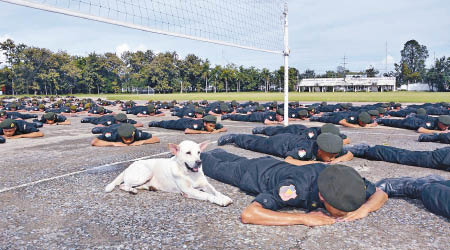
(224, 201)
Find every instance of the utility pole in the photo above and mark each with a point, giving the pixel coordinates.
(344, 64)
(286, 53)
(385, 69)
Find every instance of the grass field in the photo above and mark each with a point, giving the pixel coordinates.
(401, 96)
(404, 97)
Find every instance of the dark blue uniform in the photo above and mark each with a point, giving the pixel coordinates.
(436, 197)
(140, 110)
(436, 137)
(254, 117)
(16, 115)
(59, 118)
(335, 118)
(264, 177)
(105, 120)
(23, 127)
(182, 124)
(2, 140)
(413, 122)
(296, 129)
(112, 135)
(282, 145)
(437, 159)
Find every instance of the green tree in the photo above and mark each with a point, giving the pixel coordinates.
(414, 56)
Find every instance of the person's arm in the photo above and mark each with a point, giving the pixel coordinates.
(344, 123)
(161, 114)
(371, 125)
(429, 131)
(189, 131)
(346, 141)
(142, 115)
(152, 140)
(256, 214)
(219, 130)
(293, 161)
(347, 157)
(101, 143)
(269, 122)
(375, 202)
(66, 122)
(138, 125)
(29, 135)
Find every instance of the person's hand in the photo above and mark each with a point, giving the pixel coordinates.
(355, 215)
(318, 219)
(215, 131)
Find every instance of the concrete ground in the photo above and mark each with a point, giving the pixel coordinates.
(51, 197)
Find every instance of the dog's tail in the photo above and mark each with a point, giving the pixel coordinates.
(110, 187)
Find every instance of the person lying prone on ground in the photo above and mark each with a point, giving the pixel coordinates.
(124, 135)
(207, 125)
(339, 189)
(53, 119)
(12, 129)
(295, 149)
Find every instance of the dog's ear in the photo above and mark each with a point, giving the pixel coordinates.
(174, 148)
(203, 145)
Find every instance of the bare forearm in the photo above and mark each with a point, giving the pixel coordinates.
(376, 201)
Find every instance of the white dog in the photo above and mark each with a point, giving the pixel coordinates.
(180, 174)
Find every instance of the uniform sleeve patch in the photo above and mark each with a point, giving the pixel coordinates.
(195, 126)
(107, 135)
(352, 118)
(310, 134)
(301, 153)
(428, 124)
(288, 192)
(109, 122)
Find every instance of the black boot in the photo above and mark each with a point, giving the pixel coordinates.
(97, 130)
(428, 137)
(153, 124)
(225, 139)
(406, 186)
(258, 130)
(414, 189)
(85, 120)
(38, 124)
(358, 150)
(395, 187)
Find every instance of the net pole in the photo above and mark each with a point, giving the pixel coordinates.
(286, 66)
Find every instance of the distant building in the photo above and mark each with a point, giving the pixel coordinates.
(348, 84)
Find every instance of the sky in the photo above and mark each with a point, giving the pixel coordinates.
(321, 33)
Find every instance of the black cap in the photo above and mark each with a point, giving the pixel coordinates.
(280, 111)
(224, 107)
(199, 110)
(373, 112)
(7, 124)
(381, 110)
(444, 119)
(364, 117)
(260, 108)
(73, 107)
(126, 130)
(121, 117)
(342, 187)
(151, 108)
(330, 143)
(330, 128)
(210, 119)
(421, 111)
(302, 113)
(50, 116)
(100, 109)
(2, 113)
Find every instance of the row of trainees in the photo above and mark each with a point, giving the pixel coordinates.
(338, 189)
(311, 145)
